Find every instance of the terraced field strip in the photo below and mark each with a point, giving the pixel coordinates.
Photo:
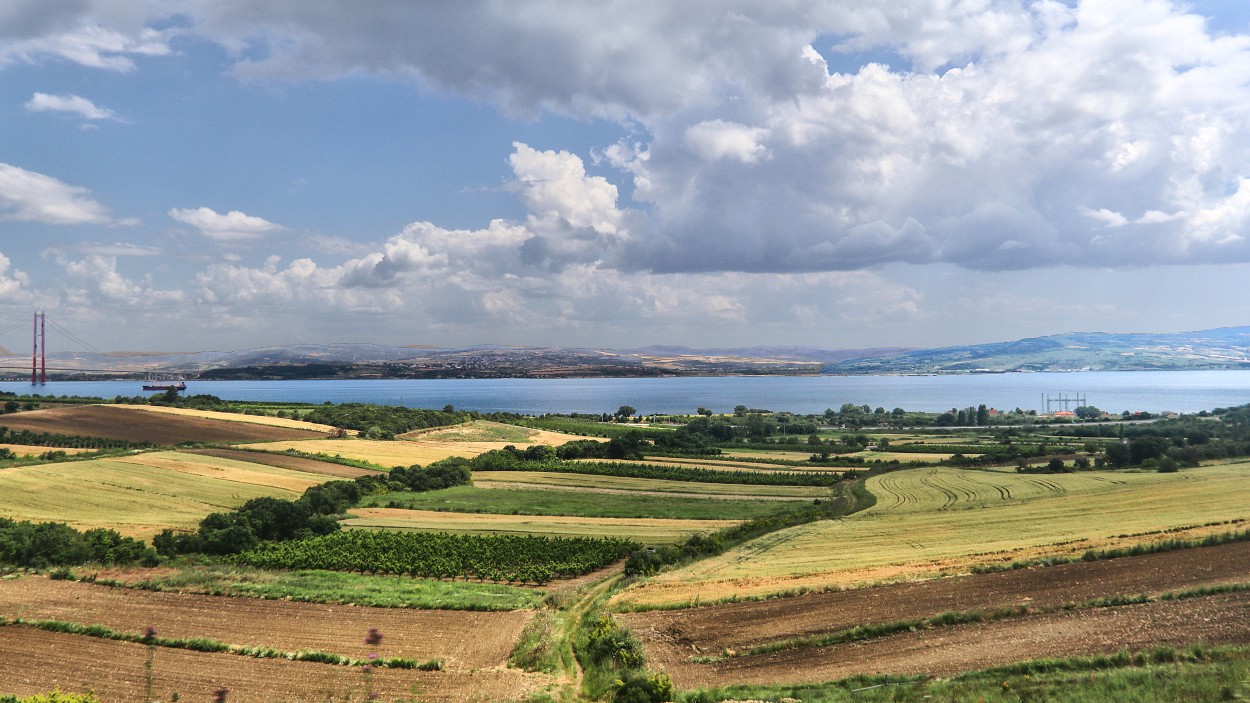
(33, 661)
(646, 530)
(143, 494)
(927, 457)
(32, 450)
(231, 470)
(269, 420)
(130, 422)
(642, 486)
(532, 500)
(384, 453)
(1212, 620)
(765, 454)
(718, 465)
(738, 626)
(918, 529)
(462, 639)
(286, 461)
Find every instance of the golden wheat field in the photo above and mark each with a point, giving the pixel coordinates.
(941, 520)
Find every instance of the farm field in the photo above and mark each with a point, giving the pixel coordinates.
(738, 626)
(426, 448)
(648, 486)
(646, 530)
(462, 639)
(269, 420)
(717, 465)
(941, 520)
(34, 450)
(32, 661)
(135, 425)
(945, 651)
(487, 431)
(471, 499)
(141, 494)
(286, 461)
(319, 586)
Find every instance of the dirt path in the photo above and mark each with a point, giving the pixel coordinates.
(737, 625)
(462, 639)
(945, 651)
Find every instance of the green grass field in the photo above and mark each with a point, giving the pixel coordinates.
(941, 520)
(591, 482)
(645, 530)
(339, 587)
(142, 494)
(469, 499)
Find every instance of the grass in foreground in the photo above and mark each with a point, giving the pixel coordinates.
(468, 499)
(316, 586)
(1162, 675)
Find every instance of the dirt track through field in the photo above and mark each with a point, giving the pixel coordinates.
(710, 629)
(121, 422)
(462, 639)
(1213, 620)
(32, 661)
(287, 461)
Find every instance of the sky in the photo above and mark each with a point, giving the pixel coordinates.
(181, 175)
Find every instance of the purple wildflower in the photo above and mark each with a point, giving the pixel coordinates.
(374, 637)
(219, 695)
(149, 632)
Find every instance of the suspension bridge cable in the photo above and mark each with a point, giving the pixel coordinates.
(74, 338)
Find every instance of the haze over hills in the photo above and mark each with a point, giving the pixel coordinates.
(1223, 348)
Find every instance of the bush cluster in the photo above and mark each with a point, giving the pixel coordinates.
(313, 514)
(44, 544)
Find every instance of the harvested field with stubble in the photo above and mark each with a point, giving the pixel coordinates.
(736, 626)
(942, 521)
(384, 453)
(461, 639)
(134, 424)
(141, 494)
(269, 420)
(33, 661)
(944, 651)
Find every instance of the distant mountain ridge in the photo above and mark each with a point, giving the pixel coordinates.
(1223, 348)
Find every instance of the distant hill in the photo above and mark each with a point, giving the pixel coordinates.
(1223, 348)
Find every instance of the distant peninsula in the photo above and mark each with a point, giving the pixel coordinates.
(1223, 348)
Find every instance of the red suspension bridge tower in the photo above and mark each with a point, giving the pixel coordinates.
(39, 355)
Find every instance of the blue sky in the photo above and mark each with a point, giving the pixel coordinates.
(223, 174)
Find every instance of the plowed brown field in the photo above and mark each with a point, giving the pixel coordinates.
(944, 651)
(710, 629)
(286, 461)
(32, 661)
(461, 639)
(121, 422)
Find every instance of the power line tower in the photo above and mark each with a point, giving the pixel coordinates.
(1064, 400)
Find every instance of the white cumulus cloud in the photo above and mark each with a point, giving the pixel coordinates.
(35, 197)
(232, 226)
(73, 104)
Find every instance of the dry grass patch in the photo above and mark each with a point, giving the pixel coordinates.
(649, 530)
(932, 521)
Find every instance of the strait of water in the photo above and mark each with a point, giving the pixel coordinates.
(1154, 391)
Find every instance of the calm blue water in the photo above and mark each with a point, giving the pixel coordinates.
(1181, 391)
